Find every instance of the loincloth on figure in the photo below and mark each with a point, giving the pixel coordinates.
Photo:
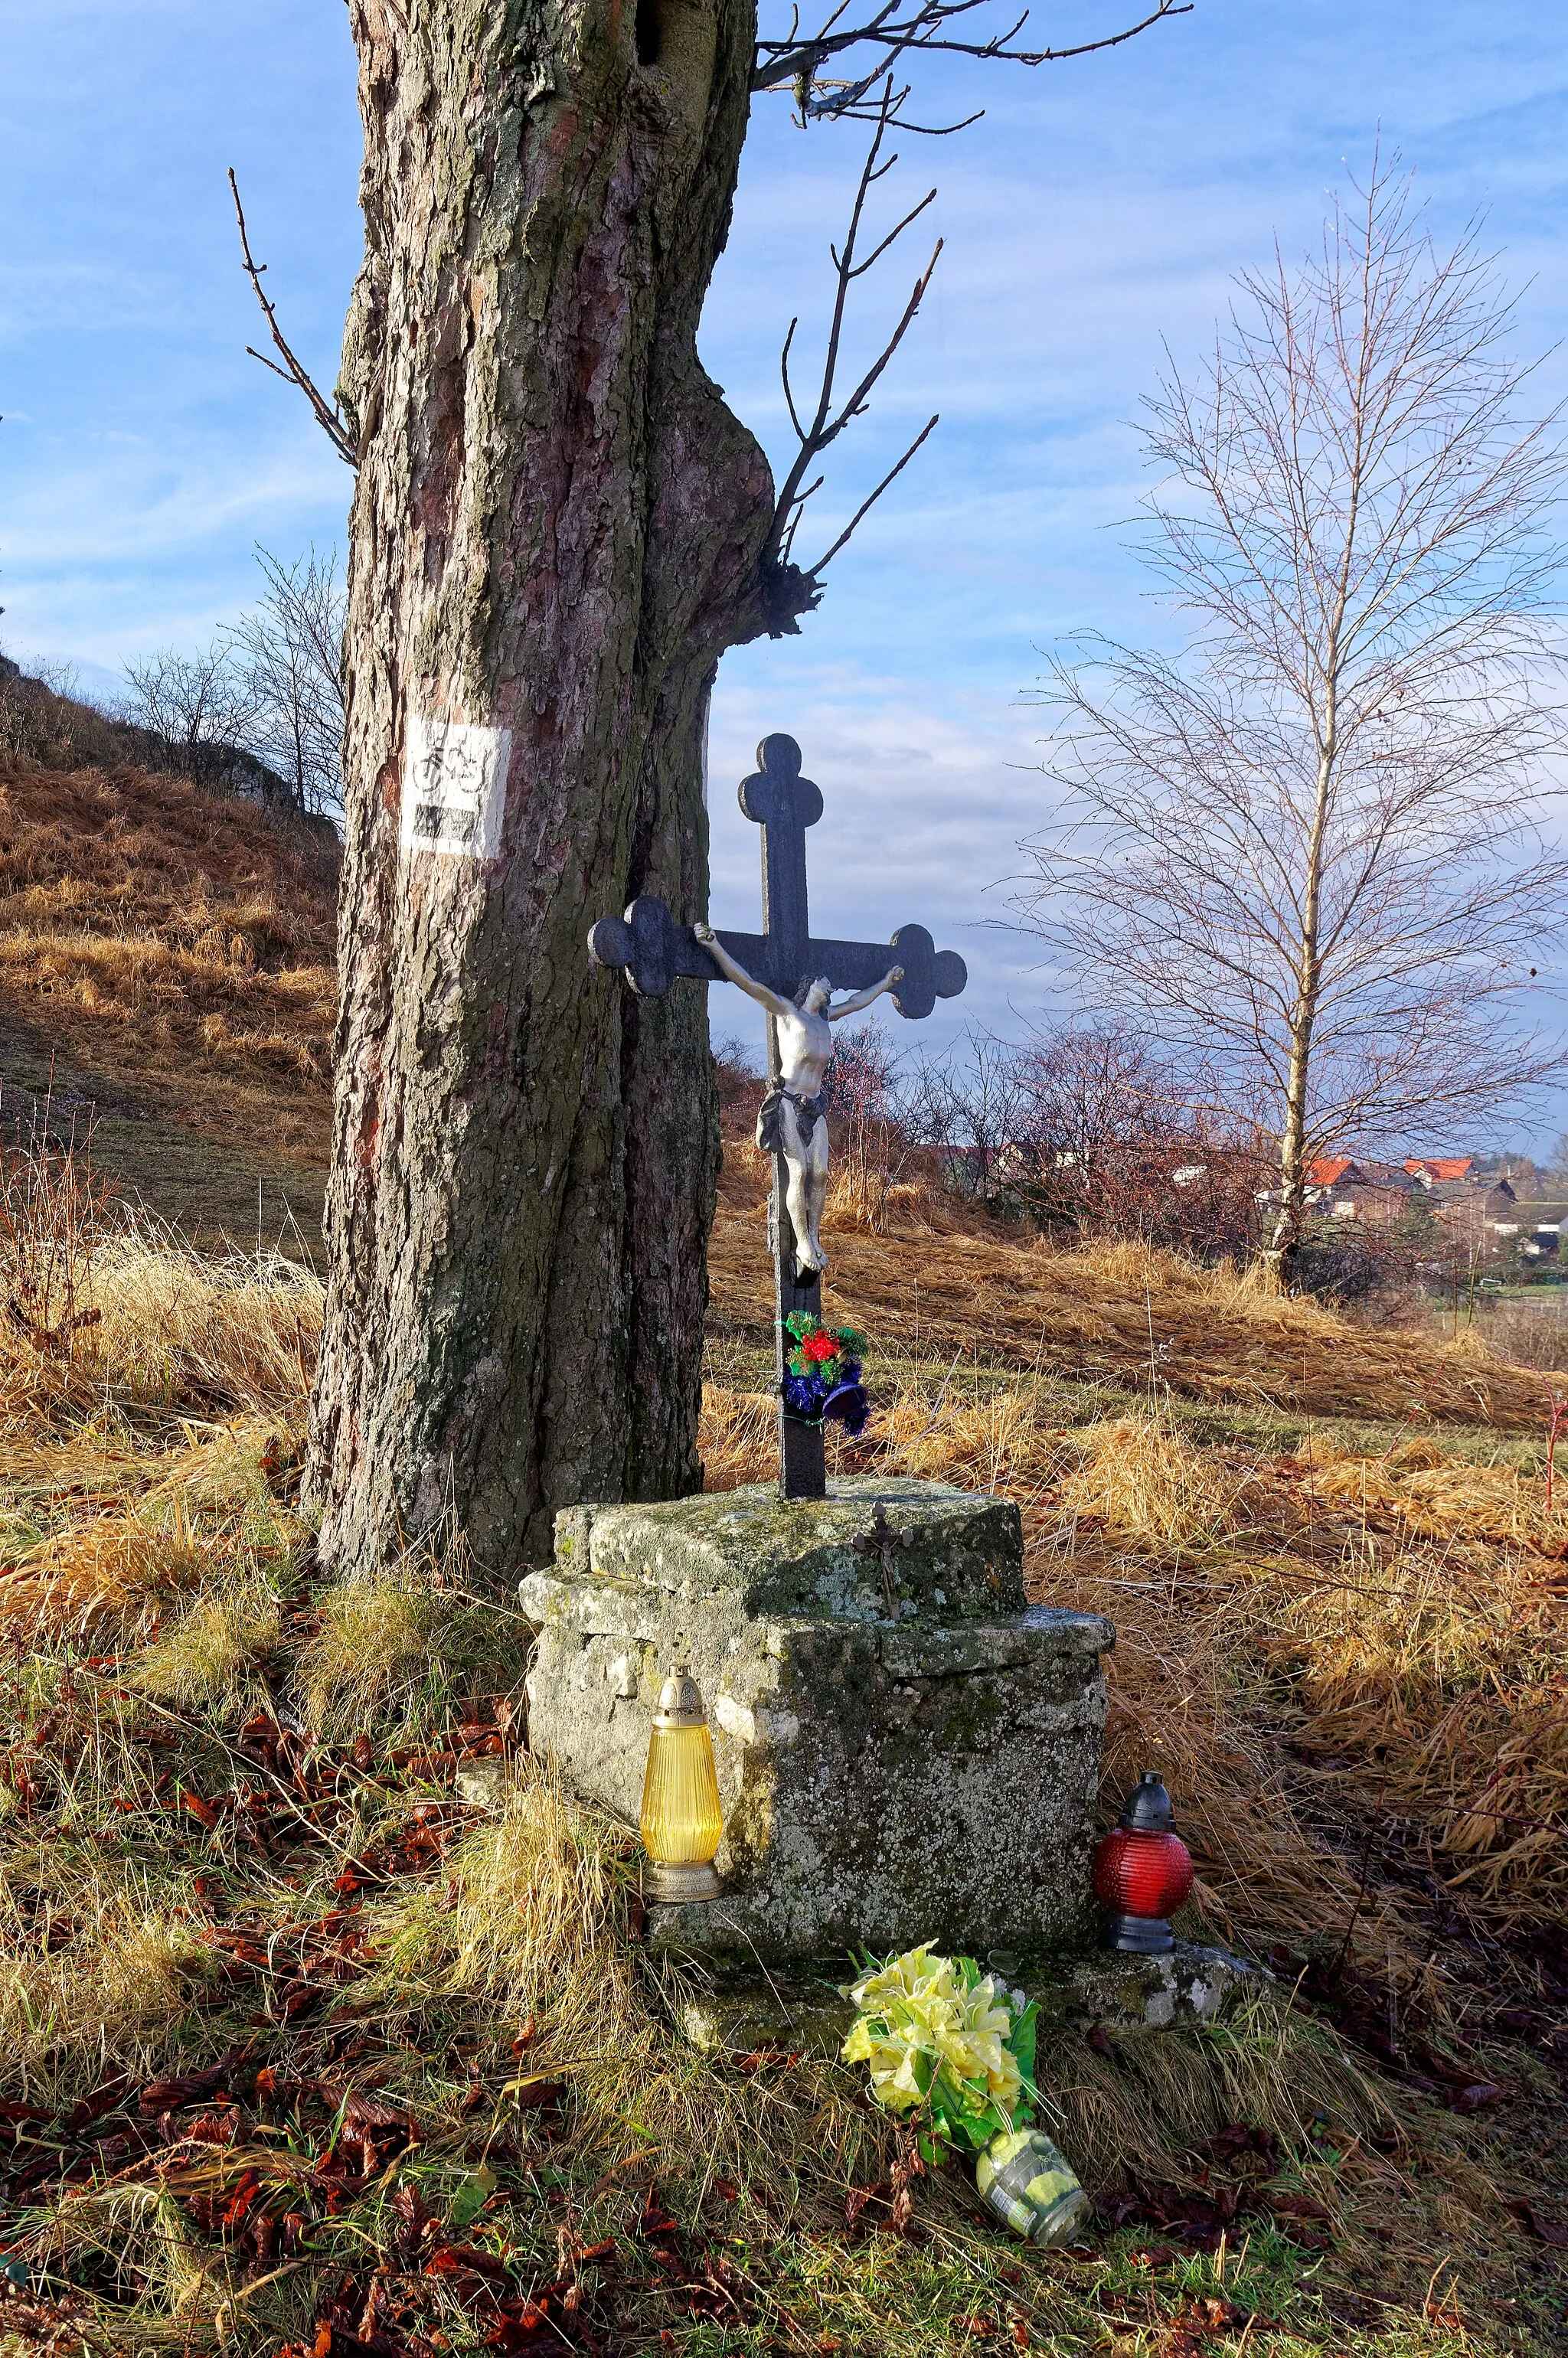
(808, 1112)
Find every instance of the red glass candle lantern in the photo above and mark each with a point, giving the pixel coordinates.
(1143, 1871)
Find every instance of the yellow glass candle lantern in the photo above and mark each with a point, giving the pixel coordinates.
(681, 1822)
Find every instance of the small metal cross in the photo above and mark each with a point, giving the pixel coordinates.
(655, 950)
(881, 1541)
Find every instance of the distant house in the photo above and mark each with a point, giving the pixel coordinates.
(1345, 1188)
(1486, 1214)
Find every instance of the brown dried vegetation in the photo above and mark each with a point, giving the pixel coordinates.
(174, 945)
(1302, 1618)
(304, 2049)
(1109, 1311)
(1339, 1589)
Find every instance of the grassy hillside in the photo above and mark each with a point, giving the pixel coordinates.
(305, 2049)
(166, 961)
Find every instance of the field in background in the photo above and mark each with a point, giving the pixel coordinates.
(304, 2048)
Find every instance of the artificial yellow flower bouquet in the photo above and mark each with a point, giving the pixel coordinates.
(941, 2036)
(955, 2048)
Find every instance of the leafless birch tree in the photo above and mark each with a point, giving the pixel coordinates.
(288, 650)
(1311, 850)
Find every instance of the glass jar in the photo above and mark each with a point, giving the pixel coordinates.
(1031, 2186)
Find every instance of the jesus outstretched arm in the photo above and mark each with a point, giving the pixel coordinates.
(889, 982)
(736, 974)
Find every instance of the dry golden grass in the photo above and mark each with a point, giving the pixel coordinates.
(1383, 1635)
(176, 1332)
(1314, 1641)
(177, 945)
(1118, 1311)
(1396, 1620)
(209, 1658)
(393, 1643)
(103, 1584)
(532, 1921)
(158, 1532)
(533, 1913)
(107, 2002)
(1402, 1609)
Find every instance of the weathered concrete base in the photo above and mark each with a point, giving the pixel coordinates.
(1188, 1985)
(735, 2009)
(905, 1750)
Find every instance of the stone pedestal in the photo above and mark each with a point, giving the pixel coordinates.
(906, 1751)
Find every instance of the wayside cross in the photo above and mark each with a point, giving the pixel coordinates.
(655, 951)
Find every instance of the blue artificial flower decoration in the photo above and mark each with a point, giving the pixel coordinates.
(823, 1377)
(802, 1397)
(847, 1400)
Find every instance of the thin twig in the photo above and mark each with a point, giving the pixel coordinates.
(829, 417)
(296, 372)
(871, 503)
(1365, 1871)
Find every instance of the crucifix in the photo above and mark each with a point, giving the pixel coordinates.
(792, 975)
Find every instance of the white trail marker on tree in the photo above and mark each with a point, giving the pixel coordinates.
(454, 788)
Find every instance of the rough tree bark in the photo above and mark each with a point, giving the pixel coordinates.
(558, 530)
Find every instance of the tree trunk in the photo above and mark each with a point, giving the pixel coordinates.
(556, 531)
(1284, 1246)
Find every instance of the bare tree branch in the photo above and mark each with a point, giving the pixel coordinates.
(830, 415)
(295, 371)
(814, 571)
(795, 61)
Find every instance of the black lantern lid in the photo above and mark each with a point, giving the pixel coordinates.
(1147, 1808)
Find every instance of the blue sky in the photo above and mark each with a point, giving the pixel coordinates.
(1100, 207)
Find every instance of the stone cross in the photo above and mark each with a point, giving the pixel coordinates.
(653, 949)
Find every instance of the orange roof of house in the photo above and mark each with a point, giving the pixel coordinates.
(1442, 1166)
(1327, 1169)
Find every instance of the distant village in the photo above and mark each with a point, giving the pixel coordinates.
(1494, 1214)
(1476, 1208)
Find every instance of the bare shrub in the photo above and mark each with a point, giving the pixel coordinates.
(56, 1216)
(1531, 1334)
(197, 707)
(1092, 1134)
(971, 1106)
(740, 1082)
(871, 1143)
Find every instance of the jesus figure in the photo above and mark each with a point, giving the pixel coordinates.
(794, 1119)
